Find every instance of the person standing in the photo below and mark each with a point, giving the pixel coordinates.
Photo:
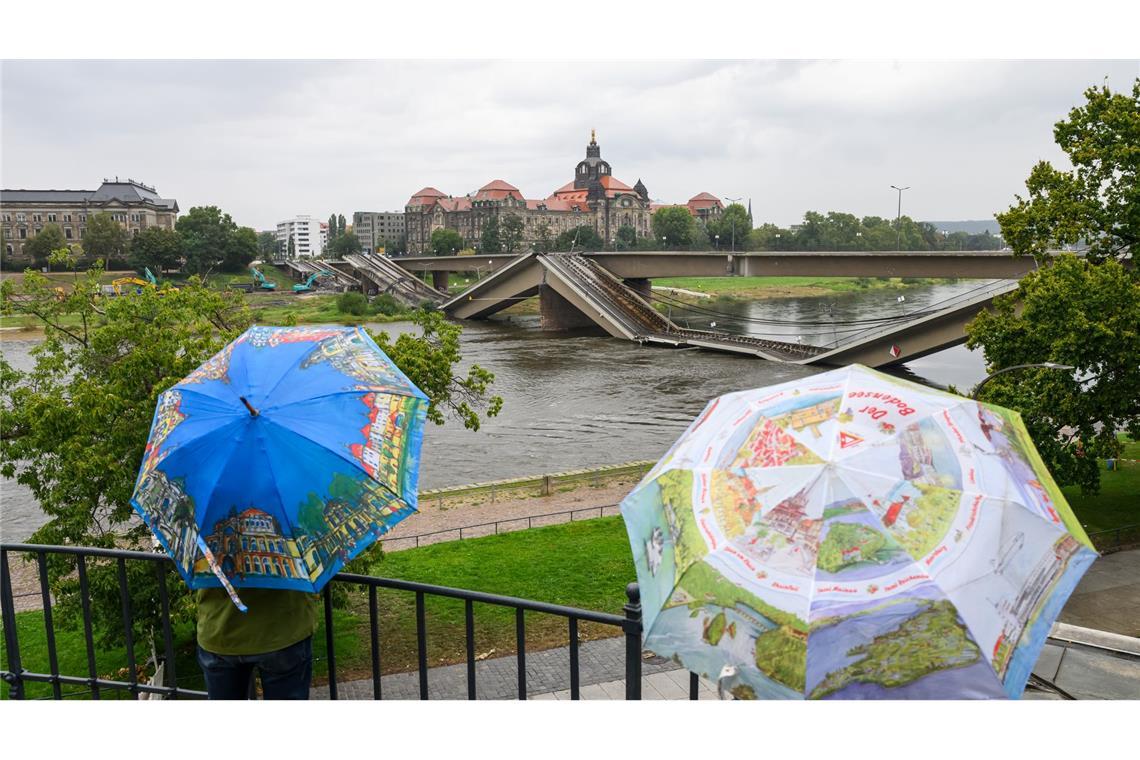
(275, 637)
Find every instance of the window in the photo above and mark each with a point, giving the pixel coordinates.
(136, 217)
(67, 232)
(7, 217)
(83, 217)
(67, 217)
(51, 217)
(21, 218)
(37, 218)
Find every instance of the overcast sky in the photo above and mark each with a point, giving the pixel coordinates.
(267, 140)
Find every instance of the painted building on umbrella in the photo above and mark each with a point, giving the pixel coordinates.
(251, 543)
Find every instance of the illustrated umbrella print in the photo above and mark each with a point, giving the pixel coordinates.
(281, 458)
(852, 535)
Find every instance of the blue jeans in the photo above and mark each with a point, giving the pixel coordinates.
(285, 674)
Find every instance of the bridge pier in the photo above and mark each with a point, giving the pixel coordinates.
(439, 280)
(643, 286)
(558, 313)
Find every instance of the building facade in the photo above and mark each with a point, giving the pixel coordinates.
(309, 237)
(594, 197)
(376, 229)
(24, 213)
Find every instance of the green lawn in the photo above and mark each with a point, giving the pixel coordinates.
(1118, 503)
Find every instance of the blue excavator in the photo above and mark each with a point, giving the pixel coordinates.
(262, 283)
(307, 285)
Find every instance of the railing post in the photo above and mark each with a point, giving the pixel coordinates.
(632, 628)
(11, 641)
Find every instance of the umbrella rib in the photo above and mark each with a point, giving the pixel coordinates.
(343, 392)
(287, 527)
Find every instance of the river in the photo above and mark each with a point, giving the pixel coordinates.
(574, 400)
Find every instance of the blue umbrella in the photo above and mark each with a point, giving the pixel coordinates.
(281, 458)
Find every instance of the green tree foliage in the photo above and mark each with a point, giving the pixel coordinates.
(156, 248)
(511, 232)
(1098, 202)
(104, 239)
(341, 227)
(74, 427)
(1078, 313)
(674, 227)
(734, 224)
(49, 239)
(343, 245)
(332, 231)
(626, 238)
(581, 238)
(543, 240)
(352, 303)
(267, 244)
(211, 240)
(491, 241)
(446, 242)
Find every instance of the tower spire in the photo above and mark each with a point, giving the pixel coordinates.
(593, 137)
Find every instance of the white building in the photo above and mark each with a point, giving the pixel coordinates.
(309, 237)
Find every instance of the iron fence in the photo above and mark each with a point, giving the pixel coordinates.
(1116, 539)
(629, 623)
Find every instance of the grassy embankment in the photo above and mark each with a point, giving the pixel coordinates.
(583, 564)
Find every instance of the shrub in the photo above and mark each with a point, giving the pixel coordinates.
(352, 303)
(387, 305)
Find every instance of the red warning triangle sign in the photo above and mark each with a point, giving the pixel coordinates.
(847, 439)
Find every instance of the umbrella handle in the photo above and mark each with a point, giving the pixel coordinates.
(221, 576)
(252, 412)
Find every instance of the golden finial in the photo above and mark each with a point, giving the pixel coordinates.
(593, 139)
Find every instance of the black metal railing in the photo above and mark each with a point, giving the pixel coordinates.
(16, 676)
(1116, 539)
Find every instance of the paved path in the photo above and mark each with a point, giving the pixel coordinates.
(1108, 596)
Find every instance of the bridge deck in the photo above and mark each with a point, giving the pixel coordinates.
(391, 278)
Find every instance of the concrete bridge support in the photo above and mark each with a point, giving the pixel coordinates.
(559, 313)
(439, 280)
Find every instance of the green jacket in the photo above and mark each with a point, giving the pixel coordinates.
(276, 619)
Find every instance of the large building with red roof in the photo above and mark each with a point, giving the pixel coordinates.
(594, 197)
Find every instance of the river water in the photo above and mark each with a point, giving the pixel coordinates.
(575, 400)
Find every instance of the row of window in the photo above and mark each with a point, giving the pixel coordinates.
(22, 218)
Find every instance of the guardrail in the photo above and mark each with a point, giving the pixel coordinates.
(16, 676)
(594, 512)
(1116, 539)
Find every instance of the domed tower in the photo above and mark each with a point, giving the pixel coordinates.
(590, 170)
(639, 188)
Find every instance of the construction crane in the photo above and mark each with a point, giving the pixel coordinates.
(307, 285)
(118, 285)
(259, 278)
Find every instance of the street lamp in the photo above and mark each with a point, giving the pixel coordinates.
(898, 217)
(717, 241)
(663, 243)
(734, 200)
(1043, 365)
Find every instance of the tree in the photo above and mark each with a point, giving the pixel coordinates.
(49, 239)
(580, 238)
(626, 238)
(511, 232)
(104, 239)
(734, 227)
(344, 245)
(1098, 202)
(490, 241)
(292, 247)
(75, 426)
(267, 244)
(207, 235)
(241, 250)
(341, 227)
(156, 248)
(673, 226)
(543, 242)
(332, 232)
(1078, 313)
(445, 242)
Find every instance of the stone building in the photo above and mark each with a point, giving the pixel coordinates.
(594, 197)
(132, 204)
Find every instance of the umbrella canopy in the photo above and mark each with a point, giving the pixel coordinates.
(281, 458)
(852, 535)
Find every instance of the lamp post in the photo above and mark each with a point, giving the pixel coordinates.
(1043, 365)
(898, 217)
(734, 200)
(717, 241)
(663, 243)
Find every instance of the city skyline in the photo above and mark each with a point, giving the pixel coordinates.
(791, 135)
